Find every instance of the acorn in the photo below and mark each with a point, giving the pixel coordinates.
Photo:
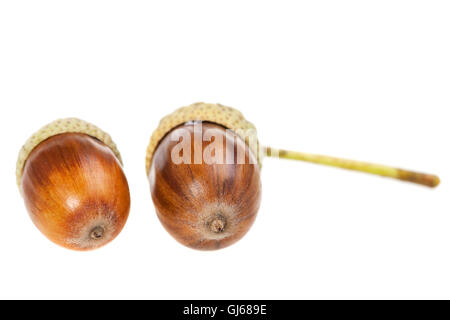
(71, 179)
(203, 163)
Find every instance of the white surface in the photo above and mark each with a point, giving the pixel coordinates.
(360, 79)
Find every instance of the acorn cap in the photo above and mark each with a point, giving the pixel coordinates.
(226, 116)
(68, 125)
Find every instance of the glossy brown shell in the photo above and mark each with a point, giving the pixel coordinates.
(75, 191)
(205, 206)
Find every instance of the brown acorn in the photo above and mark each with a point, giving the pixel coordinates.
(205, 206)
(212, 204)
(71, 179)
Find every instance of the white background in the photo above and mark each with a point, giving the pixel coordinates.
(360, 79)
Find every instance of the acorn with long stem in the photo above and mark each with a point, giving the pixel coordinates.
(208, 204)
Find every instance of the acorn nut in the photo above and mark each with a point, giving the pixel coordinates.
(203, 163)
(70, 176)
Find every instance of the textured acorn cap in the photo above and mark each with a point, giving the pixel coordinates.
(68, 125)
(226, 116)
